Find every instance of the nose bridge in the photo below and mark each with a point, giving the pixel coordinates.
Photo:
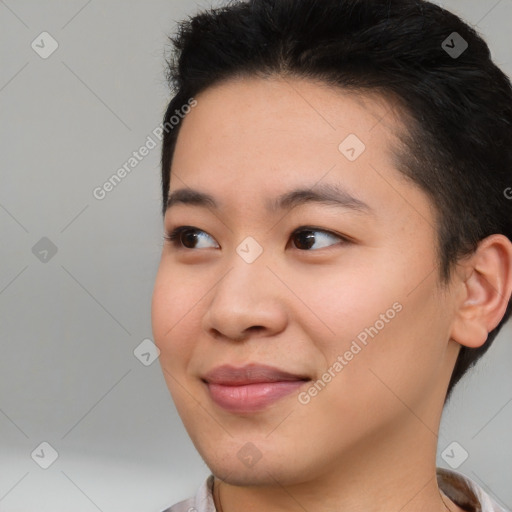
(245, 296)
(246, 280)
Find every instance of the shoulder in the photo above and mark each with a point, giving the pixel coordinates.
(201, 502)
(465, 492)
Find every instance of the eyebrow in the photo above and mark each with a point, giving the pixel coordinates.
(325, 193)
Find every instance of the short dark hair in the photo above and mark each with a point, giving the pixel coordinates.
(458, 108)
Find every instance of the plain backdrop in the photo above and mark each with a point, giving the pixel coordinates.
(76, 272)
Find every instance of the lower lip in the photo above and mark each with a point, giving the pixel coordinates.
(251, 397)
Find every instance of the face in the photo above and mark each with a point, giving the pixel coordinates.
(343, 292)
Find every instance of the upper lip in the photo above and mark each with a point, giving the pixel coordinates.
(249, 374)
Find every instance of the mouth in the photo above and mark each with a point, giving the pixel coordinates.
(252, 387)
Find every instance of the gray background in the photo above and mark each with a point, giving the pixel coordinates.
(69, 326)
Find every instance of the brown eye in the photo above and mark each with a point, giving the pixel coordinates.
(187, 237)
(305, 239)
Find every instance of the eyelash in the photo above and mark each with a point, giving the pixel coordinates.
(174, 237)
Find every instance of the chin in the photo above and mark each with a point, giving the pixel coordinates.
(230, 467)
(243, 477)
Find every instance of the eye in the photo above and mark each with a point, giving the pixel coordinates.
(306, 238)
(186, 237)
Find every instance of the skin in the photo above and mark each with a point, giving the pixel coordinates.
(368, 440)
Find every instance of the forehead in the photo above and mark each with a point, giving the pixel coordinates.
(272, 116)
(253, 105)
(258, 136)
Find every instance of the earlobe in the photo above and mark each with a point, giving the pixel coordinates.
(486, 291)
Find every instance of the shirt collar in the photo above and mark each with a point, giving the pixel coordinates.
(465, 492)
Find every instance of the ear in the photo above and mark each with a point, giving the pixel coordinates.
(485, 284)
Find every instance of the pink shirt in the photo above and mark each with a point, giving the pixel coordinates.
(463, 491)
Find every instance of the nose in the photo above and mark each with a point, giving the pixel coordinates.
(247, 301)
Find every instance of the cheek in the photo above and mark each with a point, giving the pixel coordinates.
(172, 312)
(388, 330)
(172, 317)
(344, 299)
(400, 362)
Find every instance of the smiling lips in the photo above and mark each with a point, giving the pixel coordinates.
(251, 387)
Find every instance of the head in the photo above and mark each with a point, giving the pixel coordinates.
(364, 97)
